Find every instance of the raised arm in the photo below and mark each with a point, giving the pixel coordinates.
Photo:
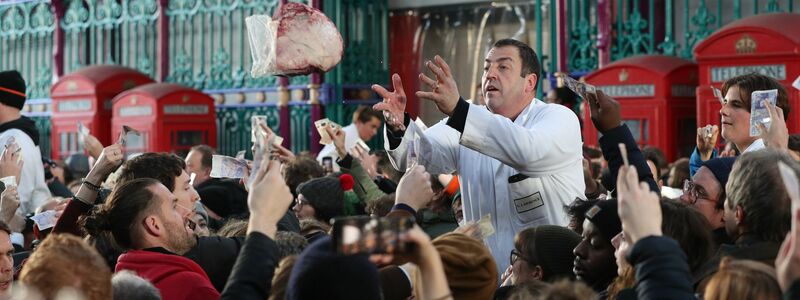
(441, 151)
(607, 119)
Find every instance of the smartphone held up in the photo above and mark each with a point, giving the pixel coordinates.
(366, 235)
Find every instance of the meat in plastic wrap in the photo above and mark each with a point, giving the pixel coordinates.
(296, 40)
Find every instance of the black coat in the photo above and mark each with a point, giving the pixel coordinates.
(252, 274)
(662, 270)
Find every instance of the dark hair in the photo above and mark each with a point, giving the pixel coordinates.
(207, 153)
(752, 186)
(128, 203)
(681, 170)
(365, 113)
(690, 229)
(163, 167)
(566, 95)
(530, 61)
(656, 156)
(794, 142)
(301, 169)
(749, 83)
(4, 227)
(576, 211)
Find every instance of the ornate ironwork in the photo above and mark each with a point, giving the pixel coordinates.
(26, 44)
(701, 21)
(582, 50)
(233, 126)
(633, 41)
(300, 120)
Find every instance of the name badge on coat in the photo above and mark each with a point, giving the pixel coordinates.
(526, 198)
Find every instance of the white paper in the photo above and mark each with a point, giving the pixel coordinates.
(45, 220)
(9, 181)
(759, 112)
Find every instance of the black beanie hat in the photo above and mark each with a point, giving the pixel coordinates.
(325, 195)
(604, 216)
(12, 89)
(321, 273)
(554, 245)
(721, 168)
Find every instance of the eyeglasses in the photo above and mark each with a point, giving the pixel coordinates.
(515, 256)
(695, 192)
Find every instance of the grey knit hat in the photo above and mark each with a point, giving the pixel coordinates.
(325, 195)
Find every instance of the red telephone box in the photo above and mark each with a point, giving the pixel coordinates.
(768, 44)
(170, 118)
(85, 96)
(656, 96)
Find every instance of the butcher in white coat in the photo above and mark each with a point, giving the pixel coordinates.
(519, 159)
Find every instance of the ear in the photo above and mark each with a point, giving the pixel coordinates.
(538, 273)
(152, 225)
(530, 83)
(739, 215)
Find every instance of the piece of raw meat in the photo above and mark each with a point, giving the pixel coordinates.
(296, 40)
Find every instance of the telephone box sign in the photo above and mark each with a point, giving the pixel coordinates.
(185, 109)
(629, 90)
(75, 105)
(720, 74)
(130, 111)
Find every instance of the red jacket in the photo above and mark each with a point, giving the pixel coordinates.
(177, 277)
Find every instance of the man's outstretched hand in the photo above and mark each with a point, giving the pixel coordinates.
(444, 91)
(393, 105)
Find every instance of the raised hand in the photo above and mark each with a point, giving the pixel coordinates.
(269, 198)
(639, 208)
(338, 136)
(605, 111)
(787, 264)
(777, 136)
(10, 164)
(393, 105)
(110, 158)
(9, 202)
(444, 90)
(705, 144)
(414, 188)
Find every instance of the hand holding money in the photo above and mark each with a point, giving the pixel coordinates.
(777, 135)
(338, 136)
(759, 114)
(324, 137)
(110, 158)
(706, 140)
(414, 188)
(605, 111)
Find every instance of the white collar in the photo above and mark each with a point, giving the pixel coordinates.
(756, 145)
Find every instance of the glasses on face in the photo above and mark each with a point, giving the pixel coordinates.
(515, 256)
(695, 192)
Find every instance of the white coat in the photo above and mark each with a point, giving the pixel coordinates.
(522, 172)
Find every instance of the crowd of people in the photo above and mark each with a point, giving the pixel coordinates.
(503, 200)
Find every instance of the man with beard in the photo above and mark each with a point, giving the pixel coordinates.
(145, 217)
